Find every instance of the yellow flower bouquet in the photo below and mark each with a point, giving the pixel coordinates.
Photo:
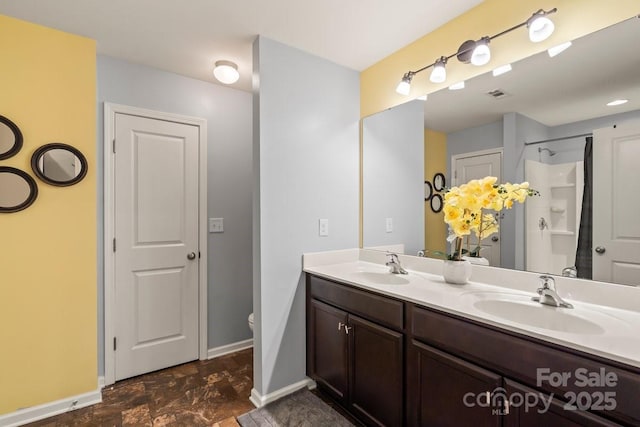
(465, 209)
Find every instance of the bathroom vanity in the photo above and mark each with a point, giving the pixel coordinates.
(412, 350)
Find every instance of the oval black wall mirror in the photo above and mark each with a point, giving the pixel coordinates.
(59, 164)
(10, 138)
(17, 189)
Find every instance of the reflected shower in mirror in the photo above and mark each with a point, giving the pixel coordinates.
(539, 114)
(10, 138)
(17, 190)
(59, 164)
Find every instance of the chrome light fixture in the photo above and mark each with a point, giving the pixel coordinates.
(540, 27)
(481, 54)
(477, 52)
(226, 72)
(439, 72)
(405, 84)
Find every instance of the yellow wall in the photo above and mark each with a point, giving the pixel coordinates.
(574, 19)
(435, 160)
(48, 330)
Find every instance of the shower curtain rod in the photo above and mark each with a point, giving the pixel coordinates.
(558, 139)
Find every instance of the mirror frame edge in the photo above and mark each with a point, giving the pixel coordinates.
(35, 157)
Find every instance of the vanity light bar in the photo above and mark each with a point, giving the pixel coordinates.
(477, 52)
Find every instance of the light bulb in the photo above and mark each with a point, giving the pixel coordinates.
(404, 87)
(540, 28)
(481, 54)
(226, 72)
(439, 73)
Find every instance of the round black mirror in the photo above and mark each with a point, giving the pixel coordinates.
(17, 189)
(59, 164)
(10, 138)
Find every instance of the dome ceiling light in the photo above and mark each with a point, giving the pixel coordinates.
(226, 72)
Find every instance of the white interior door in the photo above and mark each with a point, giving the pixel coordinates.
(156, 244)
(476, 166)
(616, 229)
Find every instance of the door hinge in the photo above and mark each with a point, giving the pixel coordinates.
(114, 344)
(114, 244)
(113, 146)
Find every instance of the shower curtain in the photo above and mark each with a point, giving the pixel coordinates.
(584, 252)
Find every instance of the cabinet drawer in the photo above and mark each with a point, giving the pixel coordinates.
(386, 311)
(520, 358)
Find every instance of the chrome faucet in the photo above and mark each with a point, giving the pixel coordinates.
(394, 264)
(548, 293)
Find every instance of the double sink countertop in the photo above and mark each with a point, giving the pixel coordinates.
(605, 320)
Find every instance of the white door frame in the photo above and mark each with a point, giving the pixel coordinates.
(110, 111)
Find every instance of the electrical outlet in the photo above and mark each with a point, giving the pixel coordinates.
(389, 225)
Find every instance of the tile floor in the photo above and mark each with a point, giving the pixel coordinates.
(201, 393)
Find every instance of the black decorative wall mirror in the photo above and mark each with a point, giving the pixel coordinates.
(17, 189)
(59, 164)
(10, 138)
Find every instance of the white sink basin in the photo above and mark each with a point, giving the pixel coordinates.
(539, 316)
(380, 278)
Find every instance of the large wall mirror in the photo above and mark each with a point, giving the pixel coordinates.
(10, 138)
(18, 190)
(534, 121)
(59, 164)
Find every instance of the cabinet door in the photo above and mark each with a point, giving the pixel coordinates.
(328, 348)
(447, 391)
(530, 408)
(376, 375)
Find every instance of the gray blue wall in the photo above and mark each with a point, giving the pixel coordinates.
(393, 177)
(228, 114)
(306, 117)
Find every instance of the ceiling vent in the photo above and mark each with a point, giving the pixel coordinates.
(498, 94)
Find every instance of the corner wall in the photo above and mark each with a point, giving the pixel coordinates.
(435, 161)
(306, 151)
(48, 251)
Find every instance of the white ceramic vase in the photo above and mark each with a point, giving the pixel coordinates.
(456, 272)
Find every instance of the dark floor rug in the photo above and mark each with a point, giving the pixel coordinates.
(301, 408)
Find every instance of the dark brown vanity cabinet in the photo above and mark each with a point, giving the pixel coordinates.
(355, 359)
(396, 363)
(447, 391)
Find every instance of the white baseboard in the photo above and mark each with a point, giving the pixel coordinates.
(46, 410)
(259, 401)
(229, 348)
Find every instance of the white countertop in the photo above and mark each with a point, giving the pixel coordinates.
(614, 328)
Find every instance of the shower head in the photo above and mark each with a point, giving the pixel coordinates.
(551, 153)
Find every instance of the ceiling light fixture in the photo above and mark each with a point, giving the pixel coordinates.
(478, 52)
(617, 102)
(501, 70)
(557, 50)
(226, 72)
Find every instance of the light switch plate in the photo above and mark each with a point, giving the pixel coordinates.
(323, 227)
(389, 225)
(216, 225)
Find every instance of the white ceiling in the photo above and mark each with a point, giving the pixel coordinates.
(188, 36)
(573, 86)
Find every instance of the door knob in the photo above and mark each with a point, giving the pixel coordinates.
(600, 250)
(495, 239)
(191, 255)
